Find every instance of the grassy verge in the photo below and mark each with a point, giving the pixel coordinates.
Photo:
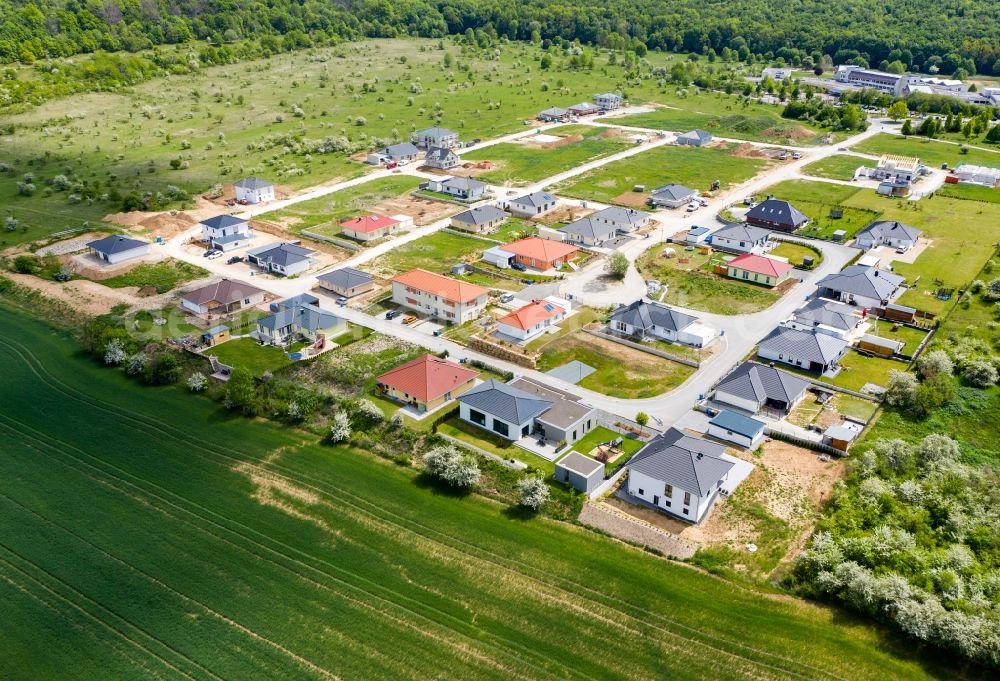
(165, 276)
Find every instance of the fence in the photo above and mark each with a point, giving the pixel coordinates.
(470, 235)
(339, 243)
(643, 348)
(798, 441)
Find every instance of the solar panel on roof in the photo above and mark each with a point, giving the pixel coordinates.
(549, 307)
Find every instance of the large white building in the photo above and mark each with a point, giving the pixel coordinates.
(890, 83)
(438, 296)
(225, 232)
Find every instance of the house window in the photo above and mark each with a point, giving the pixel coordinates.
(685, 511)
(687, 498)
(669, 490)
(574, 435)
(477, 417)
(641, 492)
(500, 427)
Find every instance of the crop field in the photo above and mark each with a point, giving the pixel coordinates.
(693, 167)
(836, 167)
(145, 533)
(930, 152)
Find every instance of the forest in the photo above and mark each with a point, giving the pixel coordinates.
(949, 35)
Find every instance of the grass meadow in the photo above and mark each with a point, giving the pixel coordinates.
(836, 167)
(930, 152)
(147, 533)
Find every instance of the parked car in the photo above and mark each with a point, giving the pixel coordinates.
(208, 252)
(235, 259)
(409, 319)
(392, 314)
(693, 206)
(391, 164)
(518, 266)
(901, 249)
(402, 163)
(215, 254)
(341, 300)
(796, 155)
(507, 297)
(703, 202)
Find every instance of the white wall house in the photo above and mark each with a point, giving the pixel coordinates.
(253, 190)
(438, 296)
(226, 232)
(286, 259)
(741, 430)
(533, 319)
(115, 249)
(642, 320)
(741, 239)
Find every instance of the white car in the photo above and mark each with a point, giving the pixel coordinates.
(693, 206)
(215, 254)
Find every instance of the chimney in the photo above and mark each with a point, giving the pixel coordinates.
(876, 273)
(699, 456)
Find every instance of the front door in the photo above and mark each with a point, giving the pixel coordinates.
(526, 431)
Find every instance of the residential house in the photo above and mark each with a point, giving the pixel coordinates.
(532, 320)
(579, 472)
(296, 319)
(438, 296)
(481, 220)
(441, 158)
(861, 286)
(609, 101)
(225, 232)
(435, 137)
(287, 259)
(624, 220)
(672, 196)
(588, 231)
(818, 352)
(680, 474)
(541, 254)
(346, 281)
(893, 168)
(553, 115)
(369, 227)
(650, 320)
(464, 188)
(894, 188)
(566, 420)
(697, 235)
(404, 151)
(736, 428)
(289, 303)
(584, 109)
(426, 383)
(115, 249)
(694, 138)
(741, 239)
(777, 215)
(982, 175)
(755, 387)
(820, 315)
(251, 190)
(890, 233)
(222, 297)
(531, 205)
(759, 269)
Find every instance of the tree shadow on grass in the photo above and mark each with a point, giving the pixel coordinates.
(518, 512)
(440, 487)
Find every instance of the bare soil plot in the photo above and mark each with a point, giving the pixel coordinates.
(423, 210)
(632, 199)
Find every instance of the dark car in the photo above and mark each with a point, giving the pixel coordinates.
(518, 266)
(392, 314)
(235, 259)
(208, 253)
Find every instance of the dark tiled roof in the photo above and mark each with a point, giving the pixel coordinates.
(116, 244)
(643, 315)
(760, 383)
(504, 402)
(686, 462)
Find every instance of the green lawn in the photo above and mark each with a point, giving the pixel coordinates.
(836, 167)
(818, 199)
(693, 167)
(473, 435)
(435, 252)
(910, 337)
(165, 276)
(246, 353)
(930, 152)
(586, 444)
(580, 318)
(796, 252)
(970, 192)
(513, 229)
(523, 163)
(250, 552)
(857, 370)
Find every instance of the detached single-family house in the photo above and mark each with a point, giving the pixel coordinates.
(222, 297)
(680, 474)
(736, 428)
(553, 115)
(694, 138)
(588, 231)
(441, 158)
(464, 188)
(649, 320)
(759, 269)
(890, 233)
(369, 227)
(481, 220)
(754, 387)
(435, 137)
(404, 151)
(862, 286)
(624, 220)
(253, 190)
(609, 101)
(579, 472)
(672, 196)
(115, 249)
(439, 296)
(299, 320)
(818, 352)
(820, 315)
(894, 168)
(285, 258)
(741, 239)
(426, 382)
(777, 215)
(346, 281)
(585, 109)
(225, 232)
(532, 320)
(530, 205)
(541, 254)
(969, 174)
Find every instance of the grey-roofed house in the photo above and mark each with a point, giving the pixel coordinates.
(116, 248)
(588, 231)
(225, 232)
(731, 426)
(566, 420)
(644, 320)
(697, 235)
(553, 114)
(480, 220)
(403, 151)
(672, 196)
(741, 239)
(253, 190)
(623, 219)
(346, 281)
(825, 316)
(818, 352)
(585, 109)
(890, 233)
(464, 188)
(530, 205)
(862, 286)
(284, 258)
(754, 387)
(580, 472)
(435, 137)
(777, 215)
(222, 297)
(441, 158)
(609, 101)
(501, 409)
(694, 138)
(295, 318)
(680, 474)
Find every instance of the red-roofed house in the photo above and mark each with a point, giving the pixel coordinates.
(541, 254)
(531, 320)
(759, 269)
(439, 296)
(369, 227)
(426, 383)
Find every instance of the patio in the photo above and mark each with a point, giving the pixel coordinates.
(544, 448)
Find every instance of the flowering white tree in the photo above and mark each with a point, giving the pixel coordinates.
(533, 492)
(447, 463)
(114, 352)
(197, 382)
(340, 430)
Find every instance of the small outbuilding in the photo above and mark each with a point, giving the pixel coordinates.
(580, 472)
(736, 428)
(876, 345)
(216, 335)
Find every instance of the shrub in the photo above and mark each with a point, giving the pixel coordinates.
(369, 410)
(445, 462)
(901, 388)
(934, 363)
(10, 223)
(197, 382)
(114, 352)
(980, 373)
(532, 493)
(617, 265)
(136, 364)
(63, 274)
(340, 429)
(992, 291)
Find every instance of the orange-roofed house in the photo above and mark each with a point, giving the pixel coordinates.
(533, 319)
(541, 254)
(426, 383)
(369, 227)
(759, 269)
(436, 295)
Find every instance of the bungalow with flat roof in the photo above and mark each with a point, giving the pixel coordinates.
(694, 138)
(369, 227)
(498, 256)
(541, 254)
(480, 220)
(287, 259)
(741, 239)
(579, 472)
(697, 235)
(116, 248)
(531, 320)
(759, 269)
(251, 190)
(967, 173)
(222, 297)
(226, 232)
(861, 286)
(777, 215)
(644, 320)
(346, 281)
(464, 188)
(439, 296)
(890, 233)
(566, 420)
(531, 205)
(820, 315)
(404, 151)
(441, 158)
(672, 196)
(435, 137)
(426, 382)
(818, 352)
(680, 474)
(553, 115)
(736, 428)
(296, 319)
(754, 387)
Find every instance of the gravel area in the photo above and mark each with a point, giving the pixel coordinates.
(614, 522)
